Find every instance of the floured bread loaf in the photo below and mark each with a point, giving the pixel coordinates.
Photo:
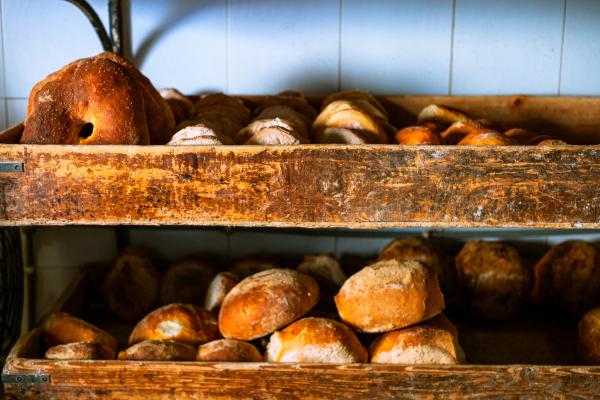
(62, 328)
(184, 323)
(266, 301)
(80, 351)
(159, 350)
(389, 295)
(221, 284)
(228, 350)
(316, 340)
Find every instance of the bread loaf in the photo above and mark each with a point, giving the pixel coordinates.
(184, 323)
(316, 340)
(159, 350)
(324, 268)
(486, 138)
(221, 284)
(569, 276)
(458, 130)
(266, 301)
(249, 265)
(228, 350)
(417, 135)
(588, 346)
(181, 106)
(389, 295)
(62, 328)
(80, 351)
(131, 287)
(440, 114)
(493, 279)
(186, 281)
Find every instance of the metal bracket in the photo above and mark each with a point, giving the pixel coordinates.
(22, 380)
(12, 167)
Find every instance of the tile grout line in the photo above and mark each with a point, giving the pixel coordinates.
(4, 80)
(451, 68)
(340, 45)
(562, 47)
(227, 44)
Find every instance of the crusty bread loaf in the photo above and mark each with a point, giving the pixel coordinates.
(388, 295)
(159, 350)
(316, 340)
(422, 344)
(569, 276)
(323, 267)
(180, 105)
(186, 281)
(458, 130)
(441, 322)
(184, 323)
(588, 346)
(228, 350)
(440, 114)
(62, 328)
(80, 351)
(486, 137)
(493, 279)
(221, 284)
(249, 265)
(266, 301)
(417, 135)
(131, 287)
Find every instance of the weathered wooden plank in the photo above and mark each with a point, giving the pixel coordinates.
(303, 186)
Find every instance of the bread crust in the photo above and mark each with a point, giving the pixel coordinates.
(181, 106)
(249, 265)
(159, 350)
(486, 138)
(410, 290)
(588, 346)
(316, 340)
(61, 328)
(265, 302)
(80, 351)
(440, 114)
(323, 267)
(221, 284)
(414, 135)
(230, 350)
(183, 323)
(186, 281)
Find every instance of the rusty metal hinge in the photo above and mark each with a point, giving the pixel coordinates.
(12, 167)
(22, 380)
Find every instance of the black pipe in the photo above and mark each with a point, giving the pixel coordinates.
(91, 15)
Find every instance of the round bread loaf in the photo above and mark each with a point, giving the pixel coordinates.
(80, 351)
(62, 328)
(493, 279)
(221, 284)
(316, 340)
(228, 350)
(459, 129)
(186, 281)
(181, 106)
(323, 267)
(423, 344)
(265, 302)
(417, 135)
(588, 346)
(159, 350)
(569, 276)
(440, 114)
(486, 138)
(388, 295)
(249, 265)
(184, 323)
(131, 287)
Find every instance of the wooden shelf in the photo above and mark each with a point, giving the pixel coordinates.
(321, 186)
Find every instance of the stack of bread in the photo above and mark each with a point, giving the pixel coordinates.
(284, 119)
(352, 117)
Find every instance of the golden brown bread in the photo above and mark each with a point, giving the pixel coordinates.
(132, 285)
(588, 346)
(181, 106)
(459, 130)
(442, 115)
(316, 340)
(417, 135)
(493, 279)
(568, 275)
(159, 350)
(324, 268)
(550, 142)
(221, 284)
(62, 328)
(388, 295)
(184, 323)
(80, 351)
(521, 136)
(486, 138)
(354, 95)
(89, 101)
(228, 350)
(266, 301)
(249, 265)
(423, 344)
(186, 281)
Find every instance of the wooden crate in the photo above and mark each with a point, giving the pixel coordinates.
(531, 356)
(324, 185)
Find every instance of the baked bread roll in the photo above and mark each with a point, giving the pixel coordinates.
(184, 323)
(80, 351)
(186, 281)
(159, 350)
(440, 114)
(388, 295)
(250, 265)
(486, 138)
(228, 350)
(551, 142)
(62, 328)
(417, 135)
(352, 117)
(458, 130)
(493, 279)
(324, 268)
(588, 347)
(90, 101)
(316, 340)
(569, 276)
(423, 344)
(181, 106)
(441, 322)
(266, 301)
(221, 284)
(131, 287)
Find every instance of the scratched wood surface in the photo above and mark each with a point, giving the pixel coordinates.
(325, 185)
